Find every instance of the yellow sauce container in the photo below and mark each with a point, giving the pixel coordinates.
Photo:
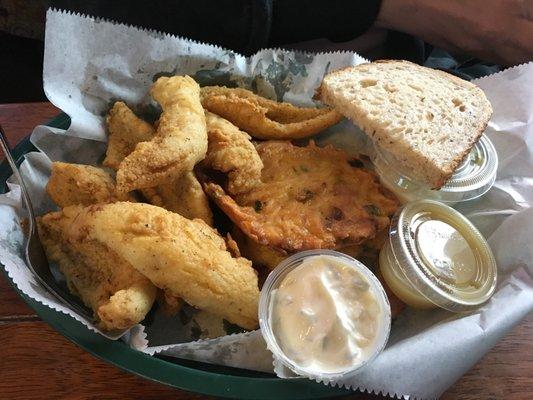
(435, 257)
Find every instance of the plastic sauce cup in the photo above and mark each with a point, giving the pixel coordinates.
(273, 282)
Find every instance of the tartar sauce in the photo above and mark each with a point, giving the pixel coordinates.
(325, 316)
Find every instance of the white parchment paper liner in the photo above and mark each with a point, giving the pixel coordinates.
(89, 63)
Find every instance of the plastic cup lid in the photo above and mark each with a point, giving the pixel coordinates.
(420, 235)
(476, 174)
(473, 178)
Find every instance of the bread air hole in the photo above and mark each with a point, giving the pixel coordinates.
(429, 116)
(458, 103)
(368, 82)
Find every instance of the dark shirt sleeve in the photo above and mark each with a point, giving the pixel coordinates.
(241, 25)
(337, 20)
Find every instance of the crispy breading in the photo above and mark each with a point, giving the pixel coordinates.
(170, 305)
(125, 131)
(310, 197)
(179, 143)
(266, 256)
(230, 150)
(259, 254)
(72, 184)
(184, 196)
(267, 119)
(186, 258)
(119, 295)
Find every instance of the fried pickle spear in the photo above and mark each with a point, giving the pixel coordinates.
(72, 184)
(119, 295)
(186, 258)
(267, 119)
(230, 150)
(179, 143)
(183, 195)
(310, 197)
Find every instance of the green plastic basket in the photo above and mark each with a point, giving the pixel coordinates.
(183, 374)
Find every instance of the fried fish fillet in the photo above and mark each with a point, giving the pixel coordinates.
(230, 150)
(186, 258)
(119, 295)
(179, 143)
(125, 131)
(267, 119)
(310, 197)
(72, 184)
(183, 195)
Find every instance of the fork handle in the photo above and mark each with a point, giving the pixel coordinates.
(24, 191)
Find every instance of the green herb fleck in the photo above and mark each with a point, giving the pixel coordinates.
(372, 210)
(258, 206)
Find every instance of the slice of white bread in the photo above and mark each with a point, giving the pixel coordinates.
(428, 120)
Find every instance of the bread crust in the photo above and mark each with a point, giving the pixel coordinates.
(434, 175)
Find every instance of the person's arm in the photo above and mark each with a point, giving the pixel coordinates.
(493, 30)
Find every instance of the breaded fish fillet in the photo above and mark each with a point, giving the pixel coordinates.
(230, 150)
(180, 141)
(72, 184)
(184, 195)
(310, 197)
(267, 119)
(188, 259)
(125, 131)
(119, 295)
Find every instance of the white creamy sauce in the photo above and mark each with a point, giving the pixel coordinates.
(325, 316)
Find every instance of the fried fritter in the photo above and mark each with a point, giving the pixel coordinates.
(267, 119)
(72, 184)
(184, 195)
(119, 295)
(125, 131)
(310, 197)
(259, 254)
(186, 258)
(179, 143)
(230, 150)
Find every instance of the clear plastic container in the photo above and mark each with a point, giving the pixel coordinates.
(273, 282)
(473, 178)
(435, 257)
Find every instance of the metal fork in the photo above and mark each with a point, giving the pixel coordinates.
(34, 253)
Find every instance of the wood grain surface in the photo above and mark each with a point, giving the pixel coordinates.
(38, 363)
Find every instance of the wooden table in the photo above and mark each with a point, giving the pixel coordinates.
(36, 362)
